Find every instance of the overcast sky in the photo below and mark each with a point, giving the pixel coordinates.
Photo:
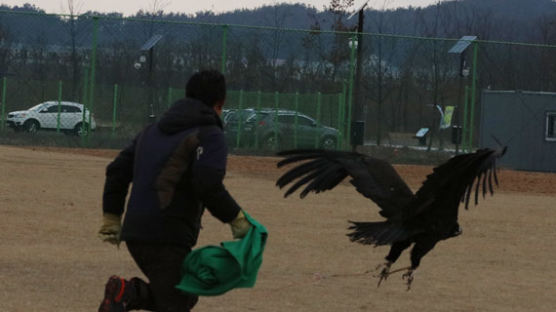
(128, 7)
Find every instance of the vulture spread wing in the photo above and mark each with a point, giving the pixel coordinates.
(322, 170)
(455, 181)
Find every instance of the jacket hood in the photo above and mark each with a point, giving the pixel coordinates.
(186, 114)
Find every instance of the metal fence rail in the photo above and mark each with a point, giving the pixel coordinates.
(126, 72)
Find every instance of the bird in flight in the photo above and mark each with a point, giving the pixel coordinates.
(421, 219)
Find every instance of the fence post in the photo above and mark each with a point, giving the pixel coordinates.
(114, 109)
(275, 123)
(85, 101)
(296, 120)
(170, 91)
(344, 108)
(92, 80)
(340, 117)
(4, 83)
(257, 138)
(350, 91)
(319, 103)
(465, 129)
(59, 106)
(473, 94)
(224, 47)
(240, 119)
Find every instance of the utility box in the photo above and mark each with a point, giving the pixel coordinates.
(456, 135)
(357, 133)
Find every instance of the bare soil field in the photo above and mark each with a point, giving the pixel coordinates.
(51, 259)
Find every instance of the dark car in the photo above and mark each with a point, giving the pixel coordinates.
(272, 129)
(226, 114)
(239, 121)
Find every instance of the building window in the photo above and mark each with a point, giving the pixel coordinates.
(551, 126)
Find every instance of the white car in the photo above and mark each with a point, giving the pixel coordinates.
(44, 116)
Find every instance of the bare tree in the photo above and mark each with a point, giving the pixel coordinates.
(5, 51)
(155, 9)
(40, 66)
(338, 7)
(275, 42)
(74, 7)
(333, 53)
(380, 25)
(340, 50)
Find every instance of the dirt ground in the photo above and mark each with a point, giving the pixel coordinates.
(51, 259)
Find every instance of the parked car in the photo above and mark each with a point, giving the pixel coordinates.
(278, 129)
(232, 118)
(44, 116)
(226, 113)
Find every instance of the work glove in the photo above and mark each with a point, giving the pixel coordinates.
(110, 229)
(240, 226)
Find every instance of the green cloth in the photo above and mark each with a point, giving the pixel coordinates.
(214, 270)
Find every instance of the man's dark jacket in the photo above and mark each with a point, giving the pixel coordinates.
(176, 167)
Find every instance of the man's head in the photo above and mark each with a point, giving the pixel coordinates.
(209, 87)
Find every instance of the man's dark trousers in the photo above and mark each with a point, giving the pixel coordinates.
(162, 265)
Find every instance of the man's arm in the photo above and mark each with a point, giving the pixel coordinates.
(119, 174)
(208, 171)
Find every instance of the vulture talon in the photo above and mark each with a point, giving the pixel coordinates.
(384, 273)
(409, 276)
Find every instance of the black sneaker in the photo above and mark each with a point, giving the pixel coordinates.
(113, 295)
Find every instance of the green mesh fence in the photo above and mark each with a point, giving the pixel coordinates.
(99, 84)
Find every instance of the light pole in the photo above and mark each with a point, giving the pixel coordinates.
(358, 123)
(459, 132)
(149, 46)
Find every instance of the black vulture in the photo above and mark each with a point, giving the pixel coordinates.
(422, 219)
